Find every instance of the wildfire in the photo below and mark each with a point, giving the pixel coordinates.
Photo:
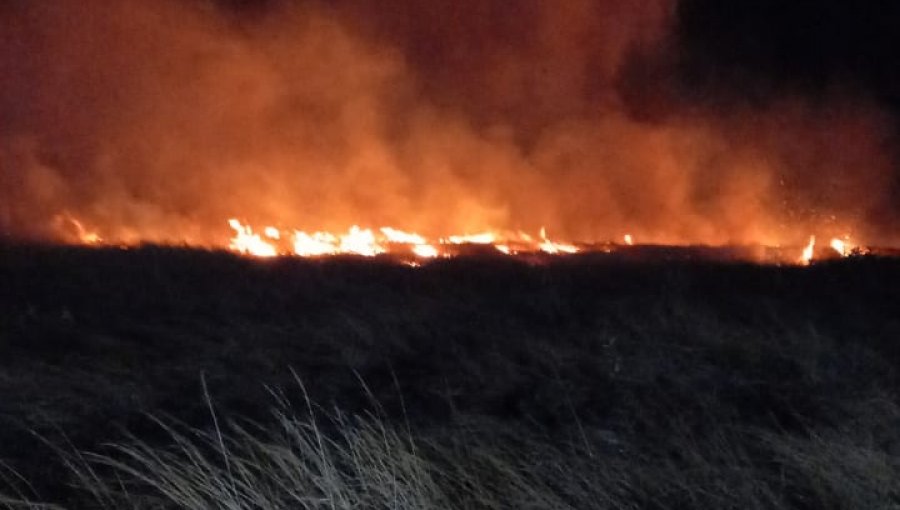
(247, 242)
(65, 222)
(807, 255)
(549, 246)
(357, 241)
(426, 251)
(420, 246)
(483, 238)
(369, 243)
(272, 233)
(413, 248)
(840, 246)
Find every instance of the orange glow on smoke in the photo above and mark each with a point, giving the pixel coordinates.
(155, 122)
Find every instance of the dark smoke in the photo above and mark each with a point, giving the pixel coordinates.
(159, 120)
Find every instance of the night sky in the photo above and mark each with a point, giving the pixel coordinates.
(754, 50)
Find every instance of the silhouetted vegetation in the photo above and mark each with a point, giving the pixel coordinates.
(478, 382)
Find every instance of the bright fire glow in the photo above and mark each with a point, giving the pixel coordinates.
(65, 222)
(398, 236)
(245, 241)
(808, 251)
(412, 248)
(483, 238)
(549, 246)
(369, 243)
(840, 246)
(425, 250)
(315, 244)
(360, 241)
(366, 242)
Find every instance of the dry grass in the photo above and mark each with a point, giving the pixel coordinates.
(311, 458)
(467, 384)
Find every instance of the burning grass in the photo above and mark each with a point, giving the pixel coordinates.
(413, 248)
(475, 382)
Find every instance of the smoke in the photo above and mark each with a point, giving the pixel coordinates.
(158, 121)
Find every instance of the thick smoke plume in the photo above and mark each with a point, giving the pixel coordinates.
(159, 120)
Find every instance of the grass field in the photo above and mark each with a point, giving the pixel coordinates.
(175, 378)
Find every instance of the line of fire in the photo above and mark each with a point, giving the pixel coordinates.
(414, 249)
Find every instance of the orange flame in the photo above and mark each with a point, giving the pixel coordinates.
(272, 233)
(420, 246)
(315, 244)
(245, 241)
(412, 247)
(840, 246)
(483, 238)
(425, 250)
(807, 255)
(65, 222)
(369, 243)
(549, 246)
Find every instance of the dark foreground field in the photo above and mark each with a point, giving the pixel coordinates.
(468, 383)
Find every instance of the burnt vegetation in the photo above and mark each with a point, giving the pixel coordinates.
(475, 382)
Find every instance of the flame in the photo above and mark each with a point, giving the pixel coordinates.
(366, 242)
(360, 241)
(90, 237)
(357, 241)
(549, 246)
(840, 246)
(315, 244)
(245, 241)
(398, 236)
(412, 247)
(807, 255)
(845, 248)
(272, 233)
(65, 222)
(483, 238)
(425, 250)
(420, 246)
